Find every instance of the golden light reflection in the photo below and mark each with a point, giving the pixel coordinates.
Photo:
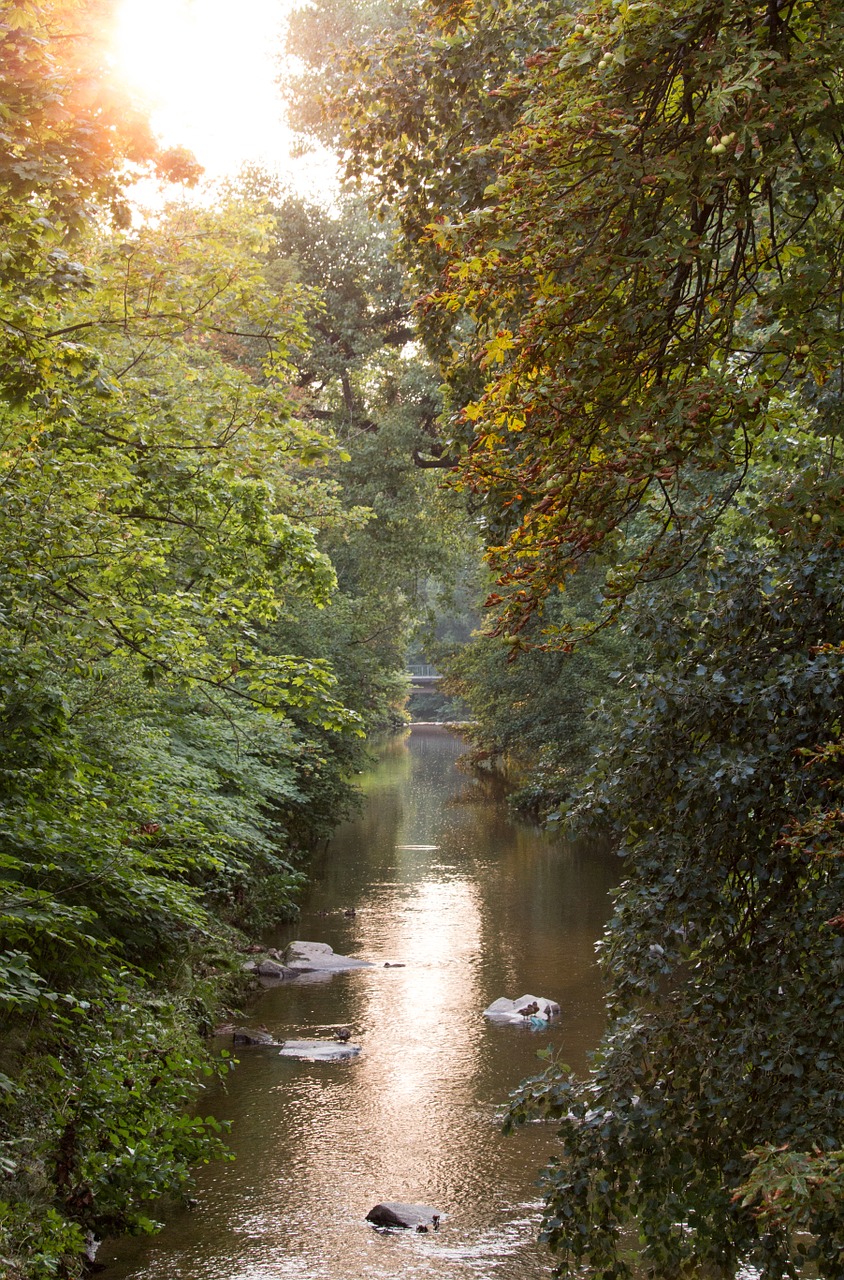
(413, 1090)
(424, 1068)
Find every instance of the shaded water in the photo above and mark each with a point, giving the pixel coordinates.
(474, 907)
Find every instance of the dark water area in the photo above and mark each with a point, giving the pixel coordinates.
(473, 906)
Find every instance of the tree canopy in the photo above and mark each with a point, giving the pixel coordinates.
(653, 283)
(647, 281)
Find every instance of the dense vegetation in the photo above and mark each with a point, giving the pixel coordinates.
(204, 419)
(623, 224)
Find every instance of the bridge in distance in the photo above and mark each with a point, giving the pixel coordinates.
(423, 676)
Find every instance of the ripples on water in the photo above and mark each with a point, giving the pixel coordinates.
(474, 907)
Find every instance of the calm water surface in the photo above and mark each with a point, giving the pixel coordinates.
(474, 907)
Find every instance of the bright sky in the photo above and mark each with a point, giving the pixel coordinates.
(208, 69)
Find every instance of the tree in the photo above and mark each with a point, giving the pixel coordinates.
(721, 1064)
(361, 376)
(141, 481)
(649, 272)
(405, 95)
(71, 142)
(654, 274)
(543, 717)
(154, 788)
(162, 762)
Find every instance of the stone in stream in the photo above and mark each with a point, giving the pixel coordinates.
(318, 957)
(272, 969)
(268, 968)
(392, 1213)
(242, 1036)
(526, 1011)
(318, 1050)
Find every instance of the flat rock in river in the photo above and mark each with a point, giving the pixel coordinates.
(525, 1010)
(318, 1050)
(318, 957)
(393, 1213)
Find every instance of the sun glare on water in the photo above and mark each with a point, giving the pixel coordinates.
(207, 70)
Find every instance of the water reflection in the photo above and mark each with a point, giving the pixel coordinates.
(473, 907)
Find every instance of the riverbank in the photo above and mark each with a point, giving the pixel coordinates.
(116, 977)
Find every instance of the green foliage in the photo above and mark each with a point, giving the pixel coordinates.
(653, 274)
(142, 491)
(71, 141)
(37, 1249)
(405, 94)
(539, 712)
(725, 956)
(790, 1189)
(157, 819)
(102, 1126)
(626, 245)
(382, 520)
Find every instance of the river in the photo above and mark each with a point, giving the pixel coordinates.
(473, 906)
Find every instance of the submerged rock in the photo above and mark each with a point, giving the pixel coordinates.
(318, 957)
(527, 1010)
(318, 1050)
(272, 969)
(248, 1036)
(392, 1213)
(269, 968)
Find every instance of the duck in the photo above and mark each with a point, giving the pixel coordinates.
(529, 1009)
(342, 1034)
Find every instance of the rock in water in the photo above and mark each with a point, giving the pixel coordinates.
(392, 1213)
(311, 957)
(527, 1010)
(272, 969)
(247, 1035)
(268, 968)
(318, 1050)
